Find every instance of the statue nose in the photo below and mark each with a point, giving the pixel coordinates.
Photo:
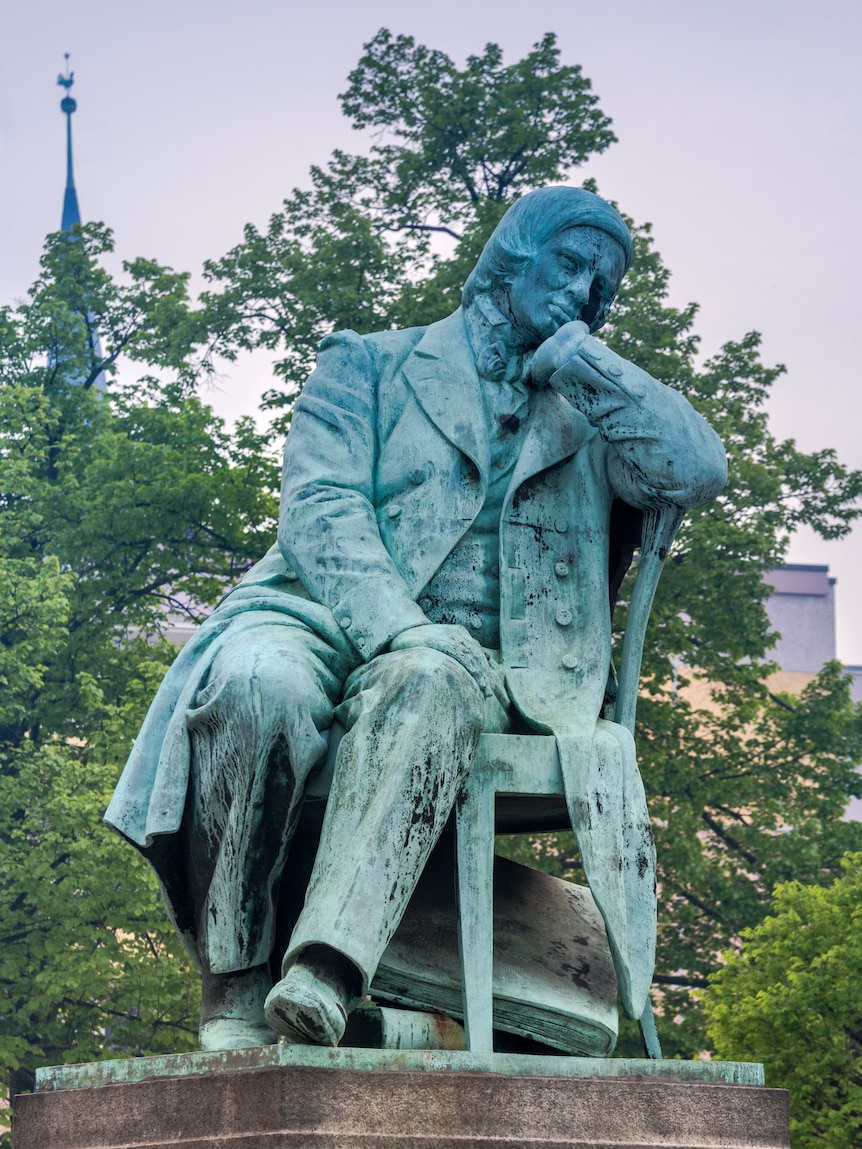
(578, 288)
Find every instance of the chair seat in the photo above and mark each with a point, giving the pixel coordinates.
(519, 763)
(524, 772)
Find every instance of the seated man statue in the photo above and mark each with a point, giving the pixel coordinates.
(442, 569)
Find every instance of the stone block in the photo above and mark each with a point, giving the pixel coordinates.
(295, 1106)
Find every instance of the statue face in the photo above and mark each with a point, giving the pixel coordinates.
(575, 276)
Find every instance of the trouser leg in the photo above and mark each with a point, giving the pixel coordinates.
(257, 728)
(412, 720)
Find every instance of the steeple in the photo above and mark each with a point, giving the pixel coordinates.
(71, 214)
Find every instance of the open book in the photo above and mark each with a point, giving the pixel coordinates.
(553, 976)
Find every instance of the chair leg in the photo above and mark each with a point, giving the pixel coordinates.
(649, 1033)
(475, 888)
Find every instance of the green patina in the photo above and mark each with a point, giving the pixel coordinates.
(459, 504)
(99, 1073)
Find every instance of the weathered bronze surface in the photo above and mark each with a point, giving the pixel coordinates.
(458, 504)
(99, 1073)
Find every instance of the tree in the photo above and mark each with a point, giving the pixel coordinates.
(354, 251)
(459, 138)
(748, 789)
(119, 512)
(790, 998)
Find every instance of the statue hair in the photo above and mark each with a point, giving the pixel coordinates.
(529, 223)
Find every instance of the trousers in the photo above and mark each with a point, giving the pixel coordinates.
(260, 724)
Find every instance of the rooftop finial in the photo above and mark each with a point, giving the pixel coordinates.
(71, 215)
(69, 79)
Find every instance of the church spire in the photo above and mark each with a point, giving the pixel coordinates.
(71, 214)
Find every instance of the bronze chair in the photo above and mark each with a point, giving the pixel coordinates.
(525, 772)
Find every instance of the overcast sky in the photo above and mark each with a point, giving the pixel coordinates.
(738, 125)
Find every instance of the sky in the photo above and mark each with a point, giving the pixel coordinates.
(738, 124)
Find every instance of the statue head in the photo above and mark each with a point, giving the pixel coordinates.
(557, 254)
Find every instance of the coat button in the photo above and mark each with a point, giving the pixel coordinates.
(291, 575)
(561, 570)
(561, 526)
(394, 510)
(591, 352)
(615, 370)
(475, 621)
(570, 661)
(345, 622)
(564, 617)
(416, 476)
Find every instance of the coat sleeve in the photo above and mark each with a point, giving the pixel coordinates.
(661, 450)
(327, 527)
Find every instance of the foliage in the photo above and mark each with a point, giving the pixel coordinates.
(354, 250)
(460, 137)
(321, 264)
(790, 998)
(89, 965)
(120, 514)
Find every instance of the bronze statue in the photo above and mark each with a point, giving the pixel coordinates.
(443, 569)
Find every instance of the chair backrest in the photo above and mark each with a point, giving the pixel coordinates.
(659, 530)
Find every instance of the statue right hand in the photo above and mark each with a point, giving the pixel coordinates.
(459, 644)
(557, 351)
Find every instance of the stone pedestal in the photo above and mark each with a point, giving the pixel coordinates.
(279, 1103)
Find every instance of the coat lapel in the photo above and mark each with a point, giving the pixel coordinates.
(441, 373)
(557, 431)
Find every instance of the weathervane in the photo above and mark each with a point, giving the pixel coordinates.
(67, 104)
(69, 79)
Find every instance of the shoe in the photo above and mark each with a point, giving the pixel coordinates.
(232, 1010)
(233, 1033)
(306, 1009)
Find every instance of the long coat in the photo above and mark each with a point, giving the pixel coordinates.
(386, 467)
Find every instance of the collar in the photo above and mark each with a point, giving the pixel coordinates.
(489, 332)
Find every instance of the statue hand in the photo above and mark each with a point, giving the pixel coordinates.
(555, 352)
(459, 644)
(593, 378)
